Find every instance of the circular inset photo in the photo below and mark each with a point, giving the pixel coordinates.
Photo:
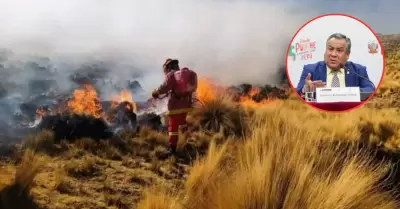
(335, 62)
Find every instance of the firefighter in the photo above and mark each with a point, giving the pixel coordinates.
(179, 85)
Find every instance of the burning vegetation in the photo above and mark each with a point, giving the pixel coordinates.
(90, 133)
(245, 137)
(84, 108)
(83, 115)
(85, 102)
(244, 94)
(124, 97)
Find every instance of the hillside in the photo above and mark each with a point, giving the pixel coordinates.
(272, 154)
(388, 94)
(391, 42)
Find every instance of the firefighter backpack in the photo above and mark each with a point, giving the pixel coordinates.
(186, 81)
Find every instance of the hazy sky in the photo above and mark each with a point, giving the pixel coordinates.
(215, 37)
(381, 15)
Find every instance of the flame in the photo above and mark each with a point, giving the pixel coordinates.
(247, 100)
(207, 90)
(124, 96)
(85, 101)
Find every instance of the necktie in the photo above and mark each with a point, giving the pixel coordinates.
(335, 80)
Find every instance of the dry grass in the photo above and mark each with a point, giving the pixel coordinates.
(220, 114)
(278, 168)
(293, 159)
(16, 194)
(377, 126)
(388, 94)
(84, 167)
(42, 142)
(159, 198)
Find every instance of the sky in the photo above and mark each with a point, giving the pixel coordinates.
(381, 15)
(214, 37)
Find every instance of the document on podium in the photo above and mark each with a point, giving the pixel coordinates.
(338, 94)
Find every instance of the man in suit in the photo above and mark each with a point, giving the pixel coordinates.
(335, 70)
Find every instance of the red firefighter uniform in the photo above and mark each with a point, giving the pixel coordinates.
(180, 86)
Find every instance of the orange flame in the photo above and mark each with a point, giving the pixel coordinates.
(124, 96)
(247, 100)
(207, 89)
(85, 101)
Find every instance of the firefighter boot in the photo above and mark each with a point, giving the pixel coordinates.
(172, 141)
(171, 151)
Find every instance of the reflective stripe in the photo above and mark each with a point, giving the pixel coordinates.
(173, 133)
(179, 111)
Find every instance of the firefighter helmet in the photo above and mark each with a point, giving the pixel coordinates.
(169, 63)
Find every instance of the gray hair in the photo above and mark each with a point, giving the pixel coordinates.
(341, 37)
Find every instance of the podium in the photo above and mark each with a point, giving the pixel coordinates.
(335, 106)
(337, 99)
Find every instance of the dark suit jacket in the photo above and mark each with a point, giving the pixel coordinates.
(318, 72)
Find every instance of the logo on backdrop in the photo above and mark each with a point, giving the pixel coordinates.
(292, 53)
(303, 49)
(373, 47)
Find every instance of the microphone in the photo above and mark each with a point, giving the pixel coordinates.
(365, 78)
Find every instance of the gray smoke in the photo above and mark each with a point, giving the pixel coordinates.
(234, 41)
(48, 40)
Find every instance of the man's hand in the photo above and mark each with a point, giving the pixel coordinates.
(310, 85)
(154, 94)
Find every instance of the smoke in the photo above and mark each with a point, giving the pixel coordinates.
(46, 41)
(233, 41)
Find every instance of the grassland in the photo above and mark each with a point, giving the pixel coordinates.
(282, 155)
